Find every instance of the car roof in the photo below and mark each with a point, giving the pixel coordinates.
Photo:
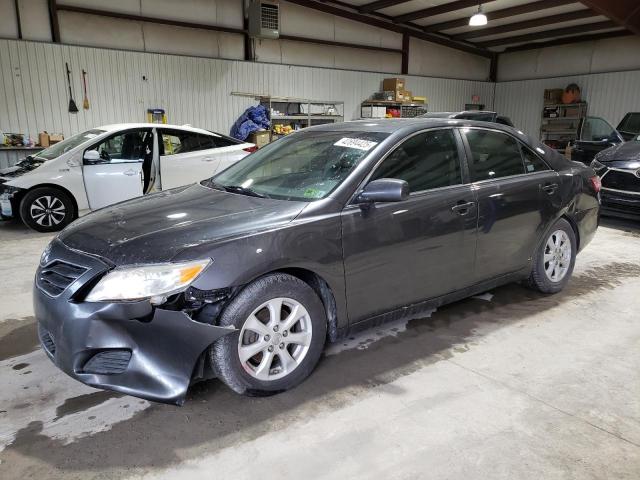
(453, 114)
(406, 125)
(123, 126)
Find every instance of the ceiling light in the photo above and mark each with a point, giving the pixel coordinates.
(479, 18)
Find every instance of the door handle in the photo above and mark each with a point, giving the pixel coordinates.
(463, 208)
(129, 172)
(550, 188)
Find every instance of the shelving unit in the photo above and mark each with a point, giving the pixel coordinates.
(298, 112)
(560, 124)
(375, 109)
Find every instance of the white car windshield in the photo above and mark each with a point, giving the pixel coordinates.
(64, 146)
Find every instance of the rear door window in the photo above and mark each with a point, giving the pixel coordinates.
(175, 142)
(532, 162)
(493, 154)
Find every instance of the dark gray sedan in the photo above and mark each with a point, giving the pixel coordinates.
(246, 275)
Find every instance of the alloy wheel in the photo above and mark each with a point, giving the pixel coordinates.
(557, 256)
(48, 211)
(275, 339)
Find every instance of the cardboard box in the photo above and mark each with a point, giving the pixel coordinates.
(553, 95)
(407, 95)
(259, 138)
(55, 138)
(393, 84)
(572, 112)
(419, 100)
(43, 139)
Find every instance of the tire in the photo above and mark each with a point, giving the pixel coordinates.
(47, 209)
(554, 261)
(270, 371)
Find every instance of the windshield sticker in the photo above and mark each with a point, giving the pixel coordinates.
(312, 193)
(357, 143)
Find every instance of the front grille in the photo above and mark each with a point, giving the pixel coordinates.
(108, 362)
(48, 343)
(617, 180)
(54, 278)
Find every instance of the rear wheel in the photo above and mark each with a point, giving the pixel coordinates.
(47, 209)
(555, 259)
(281, 329)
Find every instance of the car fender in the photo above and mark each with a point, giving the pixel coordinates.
(260, 253)
(64, 171)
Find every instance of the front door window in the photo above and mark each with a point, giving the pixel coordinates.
(596, 129)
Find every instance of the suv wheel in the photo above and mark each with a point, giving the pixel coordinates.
(281, 330)
(47, 209)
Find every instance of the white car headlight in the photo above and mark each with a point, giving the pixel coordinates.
(596, 165)
(146, 281)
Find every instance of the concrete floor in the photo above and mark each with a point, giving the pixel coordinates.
(507, 385)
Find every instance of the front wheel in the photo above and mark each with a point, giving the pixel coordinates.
(281, 330)
(47, 209)
(555, 259)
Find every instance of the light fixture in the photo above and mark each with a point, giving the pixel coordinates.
(479, 18)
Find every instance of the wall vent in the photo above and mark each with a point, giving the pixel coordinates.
(264, 19)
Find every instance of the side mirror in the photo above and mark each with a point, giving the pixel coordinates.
(384, 190)
(92, 156)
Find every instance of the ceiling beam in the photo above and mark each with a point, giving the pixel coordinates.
(568, 40)
(438, 10)
(498, 14)
(387, 25)
(624, 12)
(143, 18)
(379, 5)
(537, 22)
(558, 32)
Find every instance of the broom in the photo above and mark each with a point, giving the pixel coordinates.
(85, 101)
(73, 108)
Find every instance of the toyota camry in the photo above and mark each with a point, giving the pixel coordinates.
(245, 276)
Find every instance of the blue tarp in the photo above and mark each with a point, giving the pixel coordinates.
(253, 119)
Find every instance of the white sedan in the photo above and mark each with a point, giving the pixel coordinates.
(109, 164)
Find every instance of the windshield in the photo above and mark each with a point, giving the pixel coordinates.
(304, 166)
(64, 146)
(630, 123)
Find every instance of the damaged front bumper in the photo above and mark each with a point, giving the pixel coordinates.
(131, 347)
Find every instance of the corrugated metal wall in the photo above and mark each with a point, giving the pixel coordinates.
(609, 95)
(34, 95)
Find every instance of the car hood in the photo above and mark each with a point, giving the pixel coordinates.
(155, 228)
(25, 165)
(622, 155)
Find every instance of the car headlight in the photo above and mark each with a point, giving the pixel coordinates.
(146, 281)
